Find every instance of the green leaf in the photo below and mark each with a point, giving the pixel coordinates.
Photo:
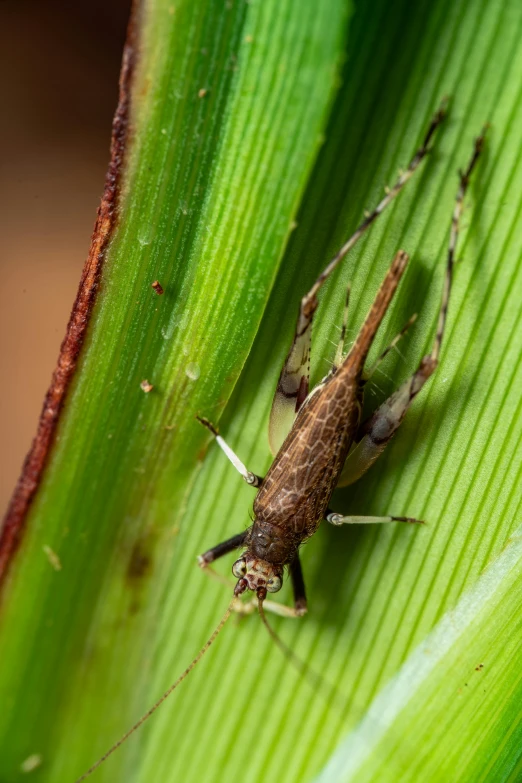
(228, 104)
(87, 649)
(445, 699)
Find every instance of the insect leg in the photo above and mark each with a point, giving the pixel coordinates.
(293, 383)
(376, 432)
(292, 386)
(250, 478)
(298, 585)
(282, 609)
(367, 374)
(340, 347)
(339, 519)
(246, 608)
(224, 548)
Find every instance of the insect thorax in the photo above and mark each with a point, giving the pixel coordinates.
(272, 543)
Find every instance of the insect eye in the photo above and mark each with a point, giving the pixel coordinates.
(239, 568)
(274, 584)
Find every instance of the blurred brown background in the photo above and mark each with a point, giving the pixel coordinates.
(59, 66)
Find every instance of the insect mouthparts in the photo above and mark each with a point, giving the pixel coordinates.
(240, 587)
(261, 593)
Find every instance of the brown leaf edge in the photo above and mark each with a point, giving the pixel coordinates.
(14, 521)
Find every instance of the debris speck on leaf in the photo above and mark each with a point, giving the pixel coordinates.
(31, 762)
(192, 371)
(52, 557)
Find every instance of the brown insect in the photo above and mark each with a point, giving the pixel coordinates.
(317, 437)
(157, 287)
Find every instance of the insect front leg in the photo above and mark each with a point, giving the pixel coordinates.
(376, 432)
(237, 541)
(244, 608)
(251, 478)
(298, 586)
(293, 384)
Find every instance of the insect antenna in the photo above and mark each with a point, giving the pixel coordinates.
(162, 698)
(330, 691)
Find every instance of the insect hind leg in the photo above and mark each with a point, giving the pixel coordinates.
(293, 384)
(367, 374)
(339, 354)
(376, 432)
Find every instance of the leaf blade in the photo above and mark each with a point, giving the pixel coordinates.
(108, 505)
(428, 696)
